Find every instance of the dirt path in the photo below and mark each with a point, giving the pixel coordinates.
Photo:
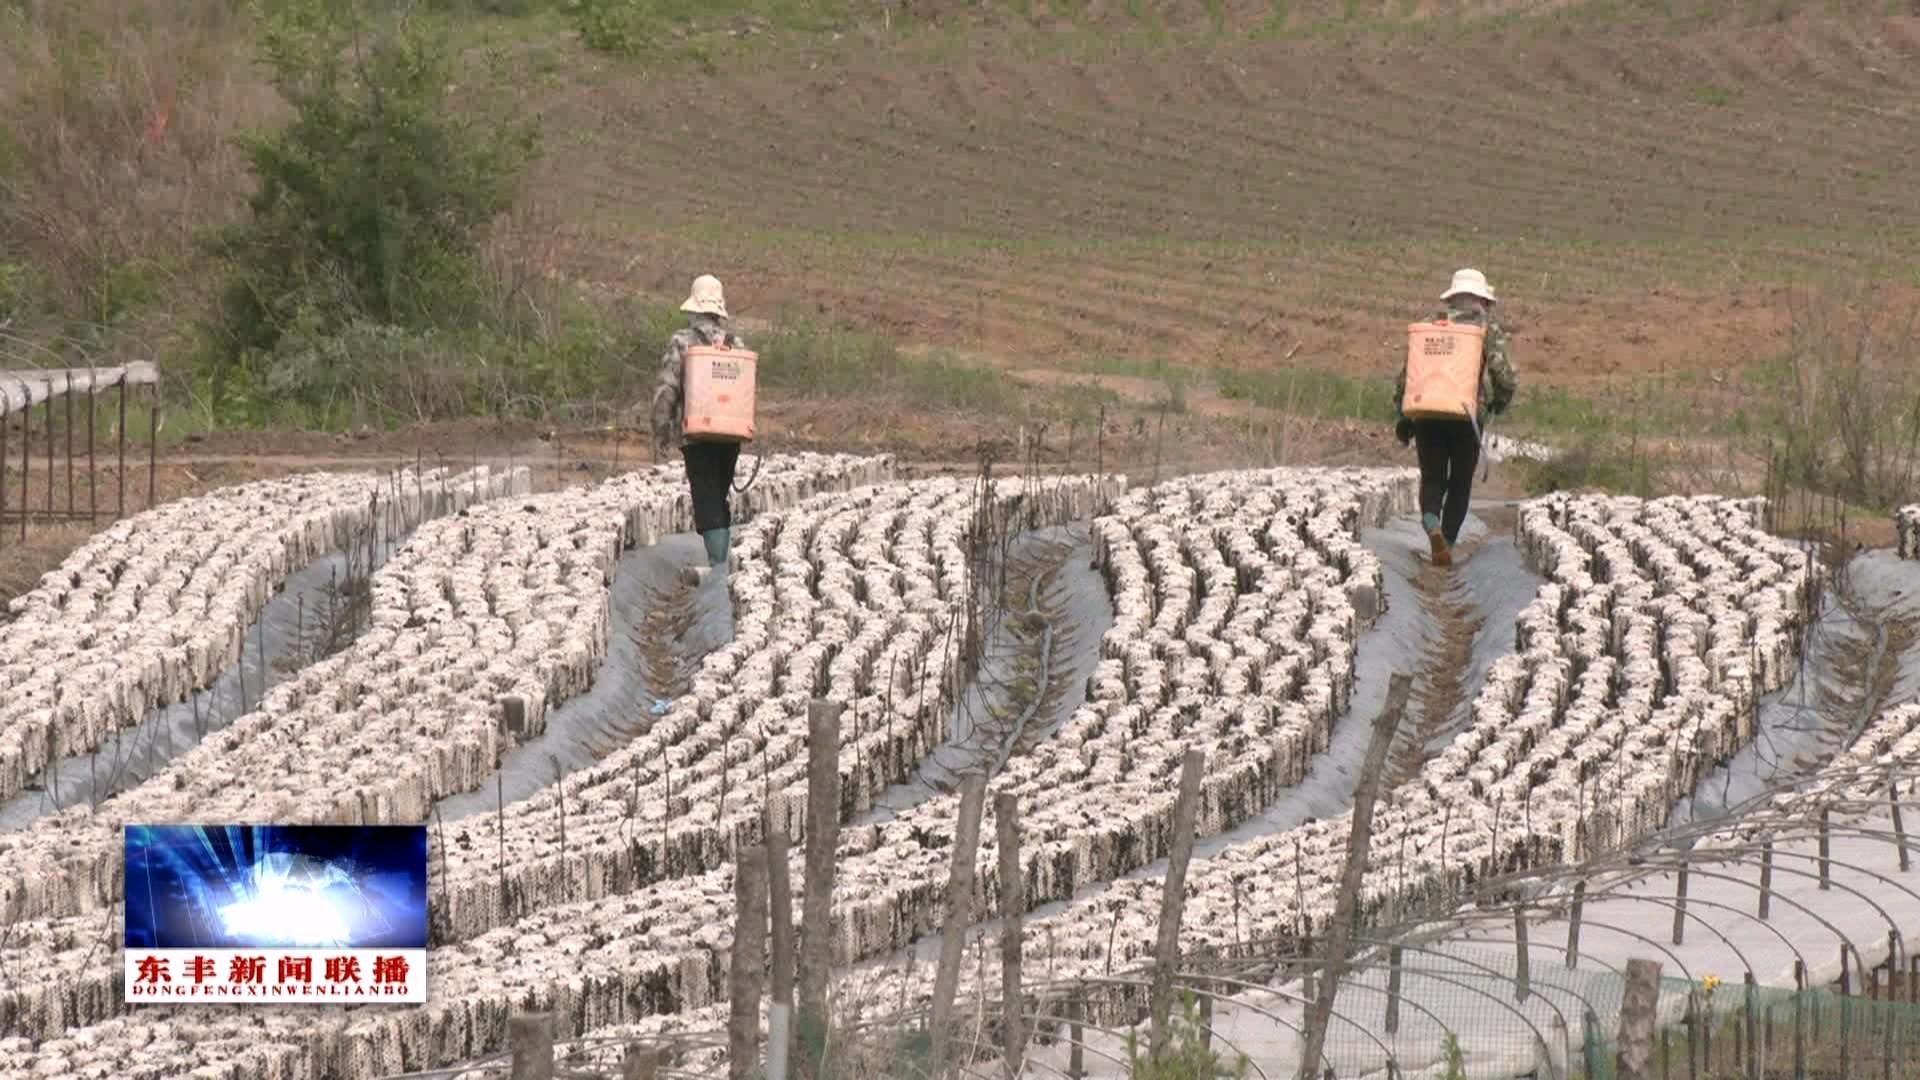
(1439, 686)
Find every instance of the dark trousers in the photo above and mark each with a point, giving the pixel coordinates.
(1449, 452)
(710, 477)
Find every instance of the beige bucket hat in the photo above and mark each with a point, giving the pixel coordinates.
(1471, 282)
(706, 296)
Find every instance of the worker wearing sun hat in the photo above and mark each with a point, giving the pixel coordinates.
(710, 465)
(1449, 450)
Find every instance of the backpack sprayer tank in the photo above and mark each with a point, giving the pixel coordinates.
(719, 388)
(1443, 371)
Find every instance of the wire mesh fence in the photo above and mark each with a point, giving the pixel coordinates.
(1778, 933)
(1778, 927)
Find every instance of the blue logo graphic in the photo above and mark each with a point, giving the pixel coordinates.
(276, 886)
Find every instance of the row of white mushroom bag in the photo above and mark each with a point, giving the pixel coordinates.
(507, 599)
(602, 963)
(1856, 790)
(1548, 766)
(609, 960)
(855, 598)
(600, 802)
(1906, 522)
(661, 950)
(1877, 765)
(1574, 746)
(156, 606)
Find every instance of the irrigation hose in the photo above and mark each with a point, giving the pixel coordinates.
(758, 461)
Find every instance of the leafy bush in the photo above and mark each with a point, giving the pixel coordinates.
(1187, 1055)
(620, 27)
(370, 202)
(1456, 1061)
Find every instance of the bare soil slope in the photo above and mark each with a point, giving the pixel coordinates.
(1640, 197)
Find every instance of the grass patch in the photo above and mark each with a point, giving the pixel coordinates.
(1307, 392)
(577, 362)
(811, 360)
(1595, 462)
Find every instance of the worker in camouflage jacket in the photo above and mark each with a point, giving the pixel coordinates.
(1449, 450)
(710, 464)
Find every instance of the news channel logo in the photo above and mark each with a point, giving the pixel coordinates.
(276, 913)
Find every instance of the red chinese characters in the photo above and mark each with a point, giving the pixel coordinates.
(390, 969)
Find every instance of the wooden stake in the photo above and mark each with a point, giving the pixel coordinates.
(121, 507)
(1173, 895)
(1899, 826)
(1573, 925)
(153, 446)
(6, 422)
(1013, 903)
(1680, 907)
(1384, 728)
(1826, 871)
(966, 845)
(531, 1036)
(641, 1064)
(780, 909)
(1522, 975)
(822, 840)
(1766, 879)
(1077, 1035)
(1639, 1000)
(68, 402)
(26, 467)
(749, 962)
(1799, 1019)
(1393, 989)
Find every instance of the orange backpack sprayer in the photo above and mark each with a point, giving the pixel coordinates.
(1444, 364)
(1443, 371)
(719, 383)
(719, 403)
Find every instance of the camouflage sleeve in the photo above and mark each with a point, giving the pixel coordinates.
(1502, 380)
(666, 390)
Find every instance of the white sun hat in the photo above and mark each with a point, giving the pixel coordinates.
(1471, 282)
(706, 296)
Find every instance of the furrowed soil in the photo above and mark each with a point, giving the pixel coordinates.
(1641, 199)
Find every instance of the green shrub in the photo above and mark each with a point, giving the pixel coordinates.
(620, 27)
(19, 290)
(1187, 1055)
(1456, 1062)
(370, 202)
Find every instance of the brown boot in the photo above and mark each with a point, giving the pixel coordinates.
(1442, 554)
